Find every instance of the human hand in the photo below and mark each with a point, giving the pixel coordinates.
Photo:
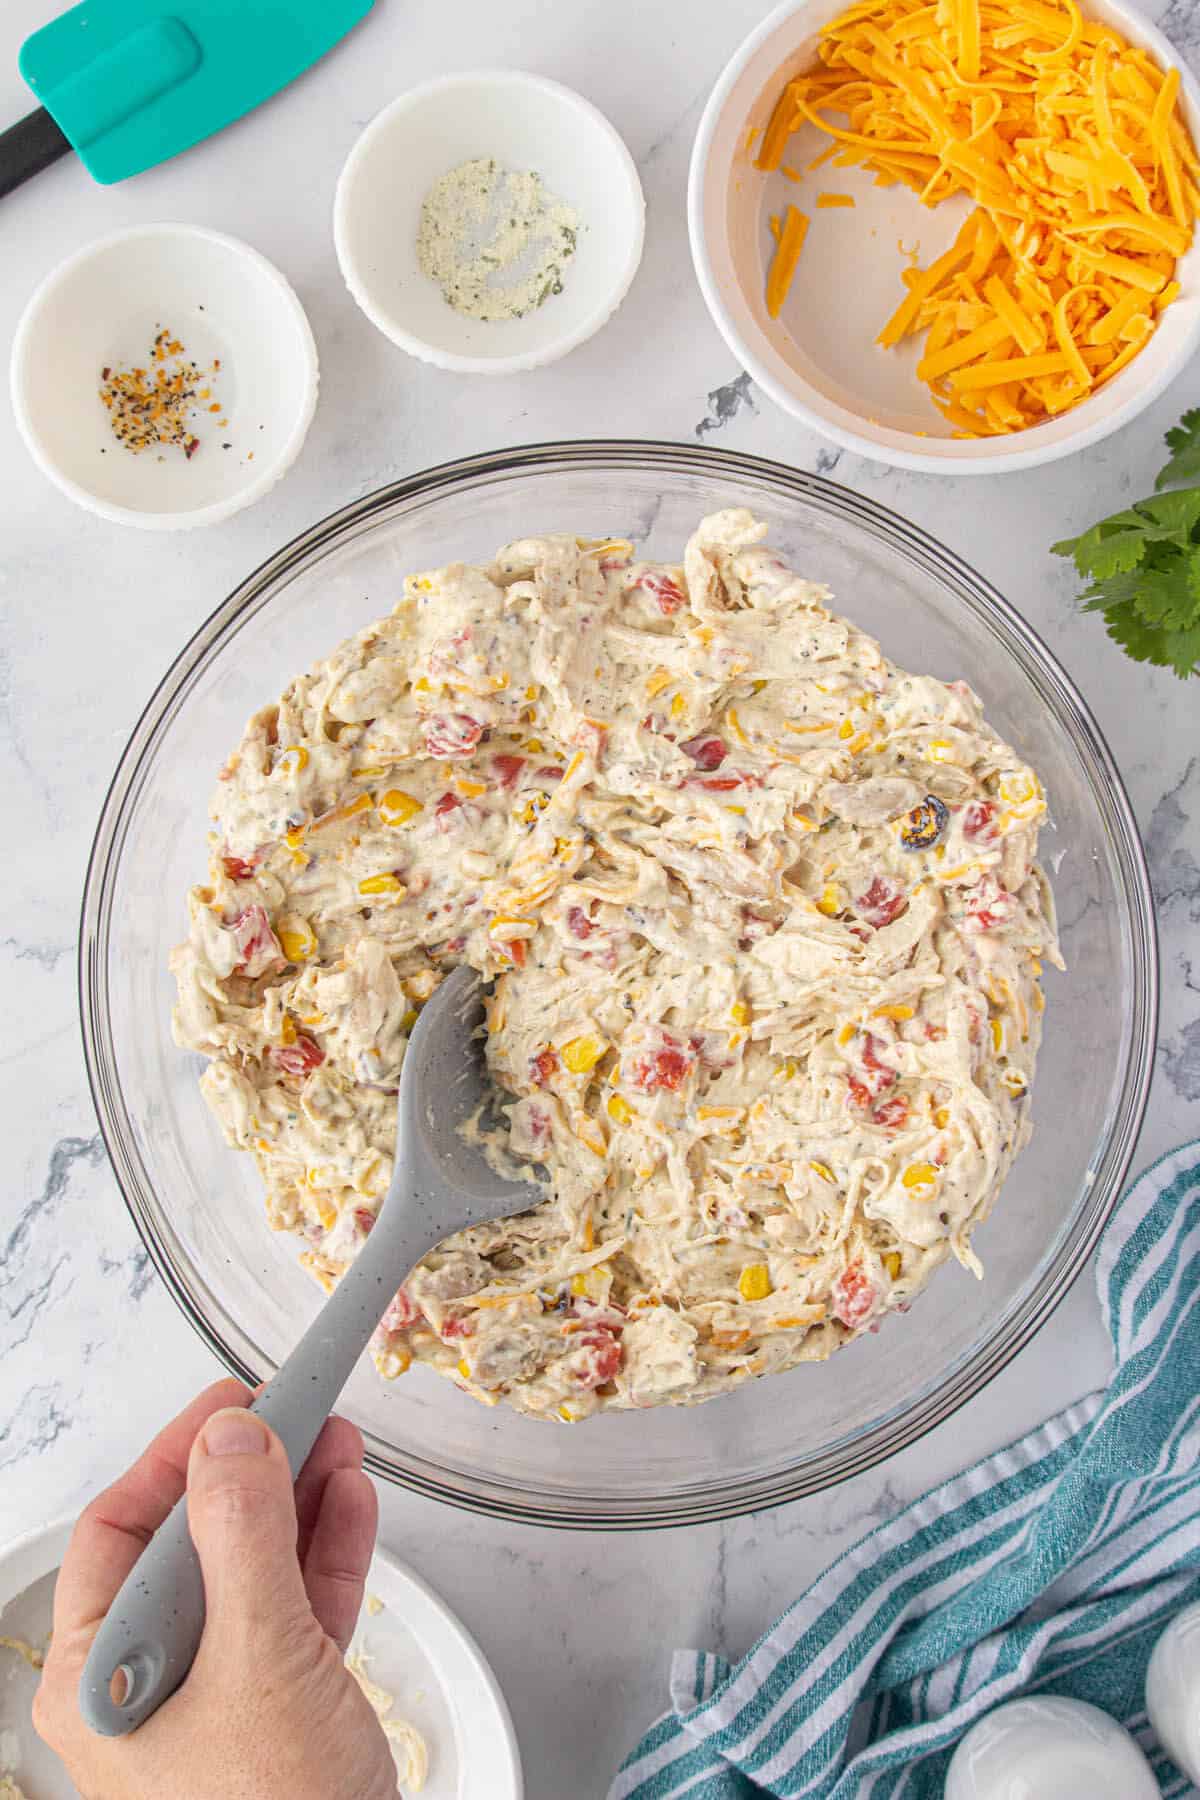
(269, 1711)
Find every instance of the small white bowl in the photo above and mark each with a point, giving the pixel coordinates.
(819, 359)
(103, 307)
(524, 122)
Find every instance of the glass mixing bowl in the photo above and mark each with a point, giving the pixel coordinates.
(198, 1204)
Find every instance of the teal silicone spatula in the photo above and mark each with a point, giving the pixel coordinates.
(128, 83)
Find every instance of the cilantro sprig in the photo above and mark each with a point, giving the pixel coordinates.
(1142, 565)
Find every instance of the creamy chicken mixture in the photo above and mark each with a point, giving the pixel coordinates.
(765, 927)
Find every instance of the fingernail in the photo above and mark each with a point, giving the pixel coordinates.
(235, 1433)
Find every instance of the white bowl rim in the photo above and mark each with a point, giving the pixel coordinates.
(216, 510)
(952, 461)
(624, 167)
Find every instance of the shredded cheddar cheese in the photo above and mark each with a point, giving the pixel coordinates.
(1070, 144)
(789, 243)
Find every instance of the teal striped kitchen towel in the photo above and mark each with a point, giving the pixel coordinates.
(1052, 1567)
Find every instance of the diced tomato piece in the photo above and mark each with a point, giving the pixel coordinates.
(458, 1325)
(402, 1312)
(667, 1067)
(508, 769)
(258, 947)
(667, 594)
(883, 902)
(365, 1220)
(719, 784)
(854, 1297)
(578, 923)
(979, 822)
(452, 734)
(988, 905)
(706, 752)
(892, 1114)
(551, 772)
(300, 1058)
(543, 1066)
(880, 1076)
(445, 810)
(860, 1093)
(597, 1357)
(240, 868)
(516, 949)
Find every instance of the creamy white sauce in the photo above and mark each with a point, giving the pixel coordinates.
(765, 925)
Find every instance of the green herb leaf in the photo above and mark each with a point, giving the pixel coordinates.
(1183, 441)
(1142, 565)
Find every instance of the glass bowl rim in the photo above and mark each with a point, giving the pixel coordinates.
(890, 1433)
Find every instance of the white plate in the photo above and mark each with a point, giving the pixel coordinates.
(416, 1647)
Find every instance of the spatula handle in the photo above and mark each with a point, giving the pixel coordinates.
(153, 1628)
(28, 147)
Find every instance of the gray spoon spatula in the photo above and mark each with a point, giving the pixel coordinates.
(441, 1184)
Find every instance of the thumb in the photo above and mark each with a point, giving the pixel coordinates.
(242, 1515)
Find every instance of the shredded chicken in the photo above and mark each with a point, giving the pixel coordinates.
(765, 927)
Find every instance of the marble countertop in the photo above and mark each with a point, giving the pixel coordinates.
(90, 616)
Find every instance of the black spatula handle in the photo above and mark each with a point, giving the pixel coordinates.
(28, 147)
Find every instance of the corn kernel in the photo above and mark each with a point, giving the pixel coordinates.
(531, 692)
(422, 685)
(655, 683)
(789, 1070)
(297, 940)
(327, 1212)
(472, 789)
(464, 1368)
(846, 728)
(536, 803)
(847, 1032)
(579, 1284)
(581, 1054)
(822, 1169)
(568, 1415)
(891, 1263)
(939, 750)
(754, 1282)
(619, 1110)
(409, 1020)
(397, 808)
(941, 1117)
(830, 902)
(997, 1035)
(919, 1175)
(893, 1012)
(534, 746)
(1014, 1081)
(740, 1012)
(678, 706)
(294, 758)
(758, 686)
(287, 1029)
(388, 884)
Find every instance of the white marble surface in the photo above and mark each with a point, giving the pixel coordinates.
(93, 1354)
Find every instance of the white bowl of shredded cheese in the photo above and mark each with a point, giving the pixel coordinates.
(489, 222)
(817, 355)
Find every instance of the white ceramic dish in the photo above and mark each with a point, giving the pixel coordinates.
(524, 122)
(415, 1646)
(104, 306)
(819, 359)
